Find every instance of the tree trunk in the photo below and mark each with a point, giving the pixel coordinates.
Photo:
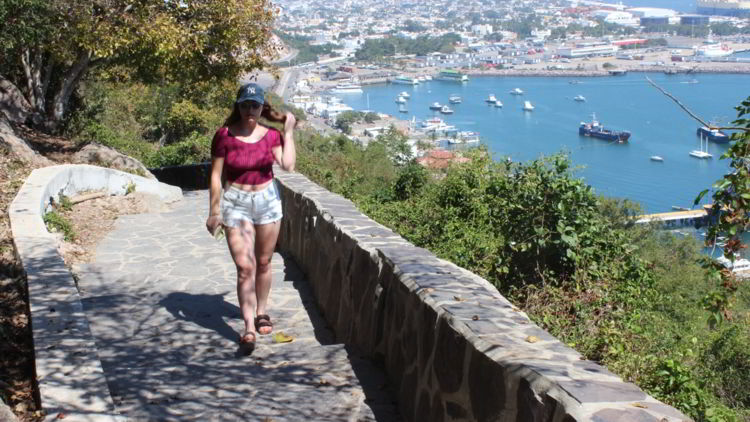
(32, 68)
(69, 82)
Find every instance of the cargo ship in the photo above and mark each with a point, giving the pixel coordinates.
(595, 130)
(713, 135)
(451, 75)
(724, 8)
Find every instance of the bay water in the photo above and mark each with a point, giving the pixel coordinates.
(658, 125)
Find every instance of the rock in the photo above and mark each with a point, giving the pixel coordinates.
(18, 146)
(12, 104)
(6, 414)
(97, 154)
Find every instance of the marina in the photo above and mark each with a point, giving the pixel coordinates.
(624, 170)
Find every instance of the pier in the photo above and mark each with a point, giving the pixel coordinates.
(677, 218)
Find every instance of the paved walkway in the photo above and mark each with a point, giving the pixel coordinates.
(161, 301)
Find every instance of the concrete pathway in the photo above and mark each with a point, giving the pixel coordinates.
(161, 301)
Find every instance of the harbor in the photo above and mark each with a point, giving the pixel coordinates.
(653, 168)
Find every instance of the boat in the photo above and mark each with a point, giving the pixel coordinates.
(436, 106)
(451, 75)
(713, 135)
(579, 98)
(347, 88)
(446, 110)
(527, 106)
(404, 80)
(498, 104)
(714, 50)
(700, 153)
(468, 136)
(404, 94)
(657, 158)
(740, 265)
(400, 100)
(491, 99)
(691, 81)
(596, 130)
(516, 91)
(574, 82)
(402, 109)
(427, 77)
(454, 99)
(617, 72)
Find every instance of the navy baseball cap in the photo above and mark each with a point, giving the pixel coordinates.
(250, 92)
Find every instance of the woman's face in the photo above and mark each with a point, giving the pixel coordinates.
(250, 110)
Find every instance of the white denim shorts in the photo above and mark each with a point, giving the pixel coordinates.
(258, 207)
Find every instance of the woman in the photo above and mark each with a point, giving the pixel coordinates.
(243, 152)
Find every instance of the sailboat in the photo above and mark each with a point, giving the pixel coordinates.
(700, 153)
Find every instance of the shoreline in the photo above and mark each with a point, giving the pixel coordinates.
(598, 73)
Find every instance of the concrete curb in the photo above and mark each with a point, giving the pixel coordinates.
(68, 370)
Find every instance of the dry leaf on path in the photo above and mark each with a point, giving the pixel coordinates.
(280, 337)
(532, 339)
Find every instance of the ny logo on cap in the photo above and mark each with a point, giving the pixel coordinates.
(251, 90)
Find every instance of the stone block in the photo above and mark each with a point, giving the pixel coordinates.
(450, 350)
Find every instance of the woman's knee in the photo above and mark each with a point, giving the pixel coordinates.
(264, 264)
(246, 270)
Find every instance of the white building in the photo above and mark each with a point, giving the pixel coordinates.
(598, 50)
(481, 30)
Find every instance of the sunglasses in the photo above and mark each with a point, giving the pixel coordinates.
(251, 105)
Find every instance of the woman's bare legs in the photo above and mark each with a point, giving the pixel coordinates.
(265, 244)
(241, 241)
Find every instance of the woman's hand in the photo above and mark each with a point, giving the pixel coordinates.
(212, 223)
(291, 121)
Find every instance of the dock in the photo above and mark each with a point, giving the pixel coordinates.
(677, 218)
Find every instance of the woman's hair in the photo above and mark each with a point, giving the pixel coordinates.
(267, 113)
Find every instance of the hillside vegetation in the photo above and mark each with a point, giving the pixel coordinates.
(631, 297)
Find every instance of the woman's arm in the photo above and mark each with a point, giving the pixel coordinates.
(214, 210)
(286, 155)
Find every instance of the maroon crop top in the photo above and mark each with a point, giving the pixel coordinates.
(246, 163)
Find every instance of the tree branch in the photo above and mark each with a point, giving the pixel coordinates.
(693, 115)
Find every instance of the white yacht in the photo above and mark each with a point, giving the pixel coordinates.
(579, 98)
(469, 137)
(527, 106)
(400, 100)
(436, 106)
(446, 110)
(700, 153)
(404, 94)
(347, 88)
(454, 99)
(498, 104)
(657, 158)
(491, 99)
(739, 264)
(516, 91)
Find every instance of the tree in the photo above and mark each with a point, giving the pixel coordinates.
(47, 47)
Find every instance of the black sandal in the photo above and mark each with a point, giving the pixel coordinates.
(247, 346)
(261, 321)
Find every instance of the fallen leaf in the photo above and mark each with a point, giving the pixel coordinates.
(280, 337)
(458, 298)
(475, 318)
(532, 339)
(641, 405)
(61, 415)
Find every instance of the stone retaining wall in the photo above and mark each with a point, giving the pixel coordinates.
(69, 374)
(453, 347)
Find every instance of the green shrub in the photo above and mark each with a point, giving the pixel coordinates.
(185, 118)
(56, 223)
(728, 360)
(195, 149)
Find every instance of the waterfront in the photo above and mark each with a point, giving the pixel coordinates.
(628, 102)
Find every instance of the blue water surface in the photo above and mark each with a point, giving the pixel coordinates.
(658, 125)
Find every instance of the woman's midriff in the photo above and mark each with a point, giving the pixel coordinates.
(251, 188)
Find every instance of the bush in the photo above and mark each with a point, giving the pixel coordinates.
(184, 118)
(195, 149)
(728, 359)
